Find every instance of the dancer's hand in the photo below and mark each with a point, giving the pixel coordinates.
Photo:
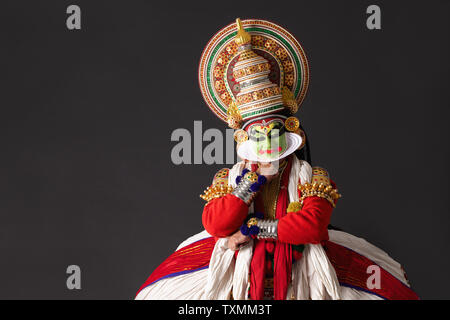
(237, 240)
(267, 169)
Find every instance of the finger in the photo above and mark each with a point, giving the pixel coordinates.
(232, 245)
(242, 244)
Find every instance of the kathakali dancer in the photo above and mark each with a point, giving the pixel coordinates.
(267, 233)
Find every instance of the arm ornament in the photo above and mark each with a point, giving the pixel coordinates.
(256, 226)
(320, 186)
(214, 192)
(219, 187)
(250, 228)
(268, 229)
(248, 184)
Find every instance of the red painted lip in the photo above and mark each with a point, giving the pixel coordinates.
(269, 151)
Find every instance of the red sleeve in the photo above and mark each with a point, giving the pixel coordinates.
(223, 216)
(309, 225)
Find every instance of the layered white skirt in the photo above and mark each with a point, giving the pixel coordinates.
(313, 276)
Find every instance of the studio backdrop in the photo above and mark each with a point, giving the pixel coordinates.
(107, 143)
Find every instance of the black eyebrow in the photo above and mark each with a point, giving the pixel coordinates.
(260, 138)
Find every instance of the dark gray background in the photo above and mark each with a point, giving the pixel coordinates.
(86, 116)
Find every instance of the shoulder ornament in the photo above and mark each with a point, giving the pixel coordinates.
(219, 187)
(320, 186)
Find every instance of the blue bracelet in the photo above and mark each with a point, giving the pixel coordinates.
(252, 230)
(255, 186)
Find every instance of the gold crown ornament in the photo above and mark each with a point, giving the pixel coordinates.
(257, 95)
(253, 68)
(251, 73)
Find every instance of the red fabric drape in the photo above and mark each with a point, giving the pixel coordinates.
(282, 254)
(185, 260)
(352, 271)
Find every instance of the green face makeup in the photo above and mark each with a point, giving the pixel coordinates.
(268, 140)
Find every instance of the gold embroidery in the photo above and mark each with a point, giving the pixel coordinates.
(319, 190)
(320, 186)
(215, 192)
(270, 193)
(320, 175)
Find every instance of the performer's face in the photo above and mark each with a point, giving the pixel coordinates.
(269, 139)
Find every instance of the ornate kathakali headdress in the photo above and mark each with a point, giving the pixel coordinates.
(254, 75)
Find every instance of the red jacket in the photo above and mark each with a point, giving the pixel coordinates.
(224, 216)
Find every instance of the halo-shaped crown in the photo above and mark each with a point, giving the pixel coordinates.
(258, 95)
(254, 71)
